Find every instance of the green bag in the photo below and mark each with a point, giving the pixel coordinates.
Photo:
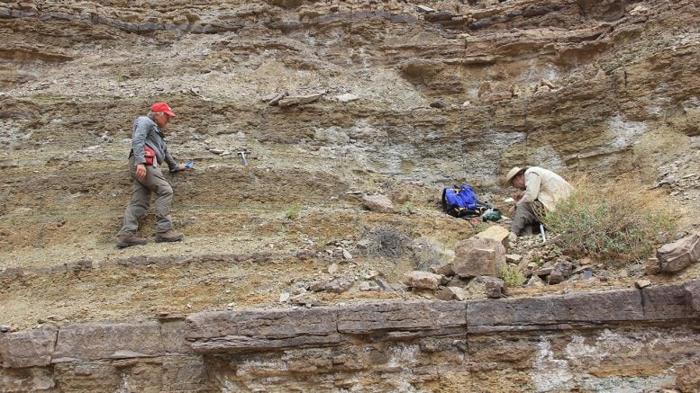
(492, 214)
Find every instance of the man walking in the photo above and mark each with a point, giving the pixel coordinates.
(543, 190)
(148, 151)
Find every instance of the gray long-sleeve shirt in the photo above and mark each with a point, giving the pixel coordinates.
(146, 132)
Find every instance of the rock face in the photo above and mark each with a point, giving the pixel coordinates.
(378, 203)
(676, 256)
(446, 90)
(375, 347)
(479, 257)
(495, 232)
(493, 287)
(422, 280)
(560, 272)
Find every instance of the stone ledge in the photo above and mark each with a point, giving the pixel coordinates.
(272, 330)
(650, 305)
(108, 341)
(692, 290)
(261, 330)
(405, 316)
(28, 348)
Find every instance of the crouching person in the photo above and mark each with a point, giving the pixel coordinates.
(543, 189)
(148, 151)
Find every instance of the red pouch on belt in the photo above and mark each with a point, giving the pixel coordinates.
(149, 154)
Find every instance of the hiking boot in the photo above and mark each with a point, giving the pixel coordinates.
(124, 241)
(169, 236)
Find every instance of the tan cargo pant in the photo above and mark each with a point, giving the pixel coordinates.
(141, 196)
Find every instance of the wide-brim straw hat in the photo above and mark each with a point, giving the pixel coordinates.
(512, 173)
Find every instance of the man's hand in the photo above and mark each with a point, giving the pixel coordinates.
(140, 172)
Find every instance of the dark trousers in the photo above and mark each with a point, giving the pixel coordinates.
(526, 218)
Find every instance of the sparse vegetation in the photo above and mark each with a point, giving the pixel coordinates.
(408, 209)
(512, 276)
(388, 241)
(619, 221)
(293, 212)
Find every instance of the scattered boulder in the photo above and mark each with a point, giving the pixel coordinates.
(494, 232)
(479, 257)
(545, 270)
(475, 288)
(422, 280)
(305, 300)
(458, 282)
(584, 272)
(513, 258)
(430, 255)
(5, 329)
(299, 100)
(652, 267)
(561, 271)
(676, 256)
(642, 283)
(336, 285)
(446, 270)
(378, 203)
(493, 287)
(535, 282)
(451, 293)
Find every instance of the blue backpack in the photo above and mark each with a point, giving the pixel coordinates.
(462, 201)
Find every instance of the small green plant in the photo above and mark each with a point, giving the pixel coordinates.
(620, 221)
(408, 209)
(293, 212)
(512, 276)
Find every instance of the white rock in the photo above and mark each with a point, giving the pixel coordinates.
(347, 97)
(333, 268)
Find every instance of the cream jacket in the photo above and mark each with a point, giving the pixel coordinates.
(545, 186)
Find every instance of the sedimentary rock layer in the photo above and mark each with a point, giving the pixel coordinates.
(554, 340)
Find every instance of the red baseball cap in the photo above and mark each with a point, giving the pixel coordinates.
(162, 107)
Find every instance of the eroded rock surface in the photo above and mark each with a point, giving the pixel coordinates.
(328, 101)
(563, 342)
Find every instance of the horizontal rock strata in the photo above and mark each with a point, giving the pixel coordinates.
(203, 351)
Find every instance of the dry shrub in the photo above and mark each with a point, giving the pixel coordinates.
(512, 276)
(388, 241)
(618, 221)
